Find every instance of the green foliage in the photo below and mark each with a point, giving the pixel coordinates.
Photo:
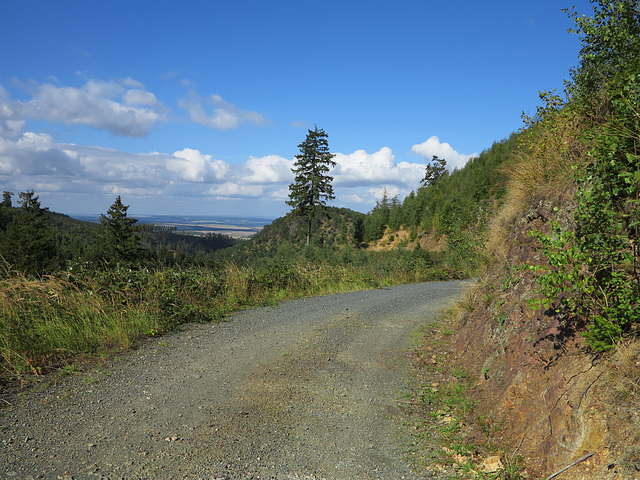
(313, 184)
(6, 199)
(119, 238)
(458, 203)
(285, 236)
(577, 282)
(594, 270)
(28, 243)
(387, 212)
(610, 45)
(273, 275)
(168, 248)
(435, 171)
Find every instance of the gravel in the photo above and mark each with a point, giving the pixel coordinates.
(307, 390)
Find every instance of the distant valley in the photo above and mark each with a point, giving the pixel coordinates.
(236, 227)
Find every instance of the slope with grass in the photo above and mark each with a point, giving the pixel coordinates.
(543, 357)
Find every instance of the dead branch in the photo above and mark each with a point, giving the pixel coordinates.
(570, 465)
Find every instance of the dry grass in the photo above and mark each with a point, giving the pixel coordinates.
(625, 373)
(542, 168)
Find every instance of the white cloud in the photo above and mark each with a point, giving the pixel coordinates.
(433, 147)
(140, 97)
(131, 83)
(236, 190)
(362, 168)
(11, 124)
(269, 169)
(216, 113)
(193, 166)
(35, 154)
(87, 178)
(103, 105)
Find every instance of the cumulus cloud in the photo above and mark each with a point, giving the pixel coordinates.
(192, 166)
(112, 106)
(140, 98)
(433, 146)
(35, 154)
(269, 169)
(362, 168)
(96, 174)
(216, 113)
(11, 123)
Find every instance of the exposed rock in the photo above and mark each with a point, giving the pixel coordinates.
(547, 395)
(492, 464)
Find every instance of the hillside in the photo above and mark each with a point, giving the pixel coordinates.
(538, 369)
(540, 394)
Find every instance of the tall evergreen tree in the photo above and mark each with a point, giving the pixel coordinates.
(119, 237)
(313, 184)
(29, 243)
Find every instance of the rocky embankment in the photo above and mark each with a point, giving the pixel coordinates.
(539, 391)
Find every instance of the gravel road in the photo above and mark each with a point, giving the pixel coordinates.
(306, 390)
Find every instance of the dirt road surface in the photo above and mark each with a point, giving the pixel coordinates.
(307, 390)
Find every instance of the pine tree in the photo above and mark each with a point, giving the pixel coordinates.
(435, 171)
(119, 238)
(28, 245)
(313, 184)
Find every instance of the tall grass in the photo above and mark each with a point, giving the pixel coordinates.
(46, 322)
(541, 169)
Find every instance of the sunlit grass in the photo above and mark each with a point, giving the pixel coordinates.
(45, 322)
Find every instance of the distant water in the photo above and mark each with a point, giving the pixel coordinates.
(195, 223)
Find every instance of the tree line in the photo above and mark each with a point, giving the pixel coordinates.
(36, 241)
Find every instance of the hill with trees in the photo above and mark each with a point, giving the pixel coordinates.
(537, 367)
(541, 359)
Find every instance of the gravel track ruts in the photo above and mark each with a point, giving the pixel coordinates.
(307, 390)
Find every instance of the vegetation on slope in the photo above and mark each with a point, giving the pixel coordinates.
(547, 346)
(595, 264)
(571, 177)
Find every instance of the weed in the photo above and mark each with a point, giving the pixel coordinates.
(512, 468)
(69, 369)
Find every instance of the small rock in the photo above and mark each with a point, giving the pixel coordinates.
(492, 464)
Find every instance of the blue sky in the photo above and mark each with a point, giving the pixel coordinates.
(197, 107)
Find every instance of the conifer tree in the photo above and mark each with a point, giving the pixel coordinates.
(28, 245)
(119, 238)
(313, 184)
(6, 198)
(435, 171)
